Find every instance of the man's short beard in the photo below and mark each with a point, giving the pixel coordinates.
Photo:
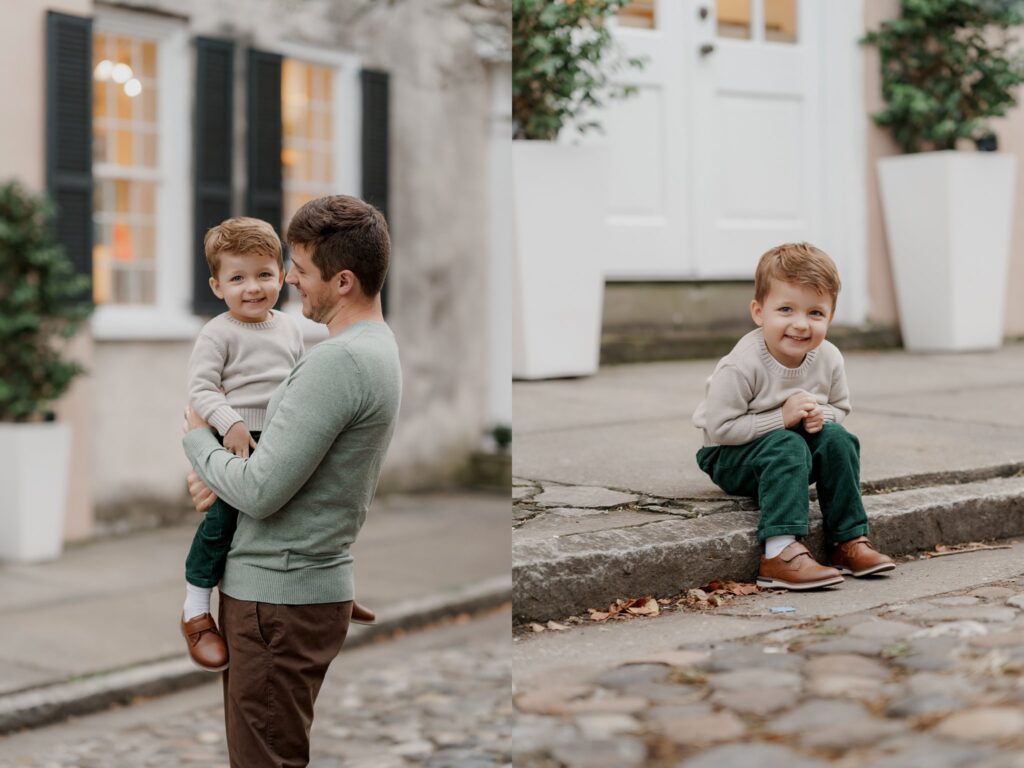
(317, 311)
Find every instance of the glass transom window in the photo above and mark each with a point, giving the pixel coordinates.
(125, 166)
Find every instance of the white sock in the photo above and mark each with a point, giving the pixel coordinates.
(773, 545)
(197, 600)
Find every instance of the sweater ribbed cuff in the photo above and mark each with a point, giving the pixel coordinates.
(829, 413)
(769, 421)
(223, 418)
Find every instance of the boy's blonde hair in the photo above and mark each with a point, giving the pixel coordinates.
(799, 263)
(244, 236)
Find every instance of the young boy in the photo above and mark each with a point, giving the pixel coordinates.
(239, 359)
(772, 417)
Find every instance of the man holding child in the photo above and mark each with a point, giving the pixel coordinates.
(287, 588)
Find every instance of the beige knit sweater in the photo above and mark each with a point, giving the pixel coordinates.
(235, 368)
(744, 395)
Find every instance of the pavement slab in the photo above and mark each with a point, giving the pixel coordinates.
(900, 701)
(104, 617)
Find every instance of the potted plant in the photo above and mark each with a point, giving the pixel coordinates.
(41, 307)
(560, 77)
(948, 67)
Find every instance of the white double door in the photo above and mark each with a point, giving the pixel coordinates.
(719, 155)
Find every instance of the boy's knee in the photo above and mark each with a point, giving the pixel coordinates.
(787, 444)
(837, 437)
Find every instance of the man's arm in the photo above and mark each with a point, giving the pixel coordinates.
(321, 397)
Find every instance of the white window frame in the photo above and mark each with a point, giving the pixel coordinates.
(170, 317)
(346, 96)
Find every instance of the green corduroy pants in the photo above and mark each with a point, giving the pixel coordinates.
(208, 554)
(778, 468)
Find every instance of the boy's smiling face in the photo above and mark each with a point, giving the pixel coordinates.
(248, 284)
(794, 318)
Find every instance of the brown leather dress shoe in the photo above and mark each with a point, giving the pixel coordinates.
(794, 568)
(206, 647)
(859, 558)
(362, 615)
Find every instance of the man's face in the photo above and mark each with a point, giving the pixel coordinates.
(795, 319)
(318, 295)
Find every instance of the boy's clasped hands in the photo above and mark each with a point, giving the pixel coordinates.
(802, 407)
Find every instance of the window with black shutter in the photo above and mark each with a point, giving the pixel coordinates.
(213, 152)
(264, 196)
(375, 145)
(69, 133)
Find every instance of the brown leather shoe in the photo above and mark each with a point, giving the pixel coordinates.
(794, 568)
(362, 615)
(859, 558)
(206, 647)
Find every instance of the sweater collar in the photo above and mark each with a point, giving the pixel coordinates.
(270, 322)
(778, 368)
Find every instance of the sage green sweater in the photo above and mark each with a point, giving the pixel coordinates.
(305, 491)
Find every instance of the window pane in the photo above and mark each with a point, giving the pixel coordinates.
(639, 13)
(99, 145)
(733, 18)
(125, 134)
(308, 126)
(148, 69)
(123, 147)
(780, 21)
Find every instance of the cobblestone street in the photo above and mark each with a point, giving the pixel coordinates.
(925, 668)
(437, 698)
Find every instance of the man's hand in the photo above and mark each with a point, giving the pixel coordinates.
(797, 408)
(238, 440)
(814, 421)
(202, 496)
(193, 421)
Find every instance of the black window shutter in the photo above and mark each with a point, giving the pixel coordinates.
(264, 197)
(69, 134)
(213, 151)
(375, 155)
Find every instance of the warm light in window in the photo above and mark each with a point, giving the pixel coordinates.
(121, 73)
(133, 87)
(103, 70)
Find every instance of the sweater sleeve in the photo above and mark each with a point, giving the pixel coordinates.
(205, 395)
(321, 397)
(838, 407)
(728, 420)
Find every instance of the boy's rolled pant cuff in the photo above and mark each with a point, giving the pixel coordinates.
(782, 530)
(850, 533)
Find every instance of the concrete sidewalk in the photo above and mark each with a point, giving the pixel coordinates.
(609, 501)
(101, 624)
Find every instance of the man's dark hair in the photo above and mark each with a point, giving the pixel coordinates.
(344, 232)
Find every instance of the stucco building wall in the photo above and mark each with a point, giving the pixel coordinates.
(127, 412)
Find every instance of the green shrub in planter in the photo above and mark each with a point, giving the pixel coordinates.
(41, 306)
(948, 66)
(561, 64)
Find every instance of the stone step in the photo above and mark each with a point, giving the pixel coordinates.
(559, 576)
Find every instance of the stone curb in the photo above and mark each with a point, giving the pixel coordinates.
(48, 704)
(563, 576)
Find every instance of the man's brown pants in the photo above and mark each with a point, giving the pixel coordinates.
(279, 655)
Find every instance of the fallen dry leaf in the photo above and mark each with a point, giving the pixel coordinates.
(730, 588)
(555, 625)
(643, 606)
(957, 549)
(537, 627)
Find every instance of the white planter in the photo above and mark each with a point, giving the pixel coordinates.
(558, 207)
(948, 216)
(34, 467)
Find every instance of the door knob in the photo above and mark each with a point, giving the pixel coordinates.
(706, 48)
